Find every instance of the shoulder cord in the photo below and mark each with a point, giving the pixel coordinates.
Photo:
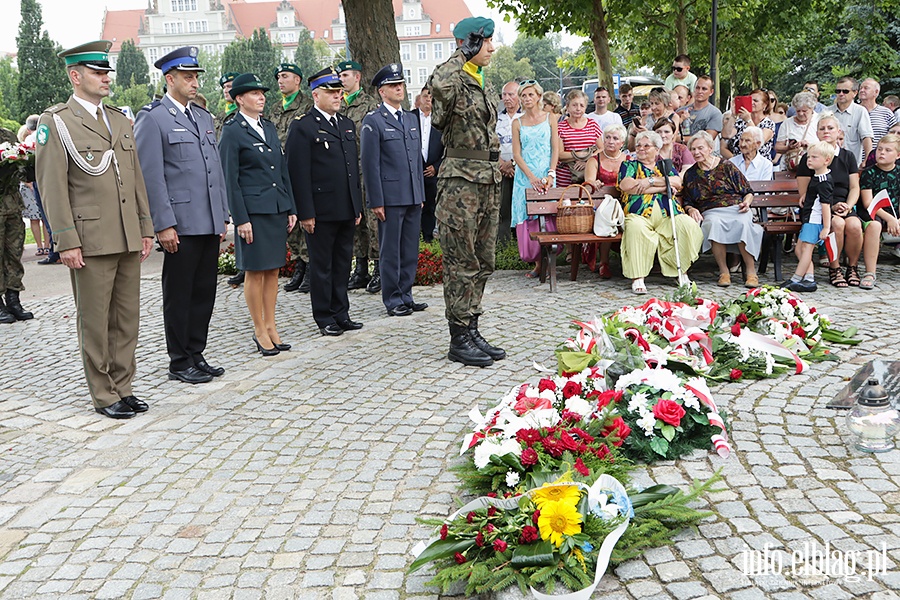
(100, 169)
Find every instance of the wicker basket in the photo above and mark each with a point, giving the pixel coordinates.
(578, 217)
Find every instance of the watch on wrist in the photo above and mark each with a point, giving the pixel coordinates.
(652, 180)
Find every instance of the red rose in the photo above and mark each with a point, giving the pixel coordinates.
(582, 468)
(568, 442)
(535, 516)
(500, 545)
(444, 532)
(492, 511)
(742, 318)
(736, 374)
(605, 398)
(529, 534)
(581, 434)
(792, 302)
(553, 447)
(528, 436)
(492, 494)
(459, 558)
(529, 457)
(668, 411)
(470, 517)
(812, 310)
(479, 539)
(618, 429)
(571, 389)
(735, 329)
(798, 331)
(547, 384)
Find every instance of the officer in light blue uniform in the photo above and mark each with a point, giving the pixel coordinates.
(391, 152)
(176, 142)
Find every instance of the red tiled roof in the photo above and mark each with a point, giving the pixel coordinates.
(121, 25)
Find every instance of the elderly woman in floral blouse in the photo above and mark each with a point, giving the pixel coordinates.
(648, 222)
(718, 196)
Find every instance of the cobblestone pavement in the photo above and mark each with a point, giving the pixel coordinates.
(302, 475)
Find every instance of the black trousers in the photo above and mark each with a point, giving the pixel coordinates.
(189, 295)
(504, 227)
(428, 219)
(330, 254)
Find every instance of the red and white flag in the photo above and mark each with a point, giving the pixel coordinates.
(881, 200)
(831, 247)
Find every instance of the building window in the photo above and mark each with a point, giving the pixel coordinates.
(152, 55)
(408, 75)
(423, 75)
(286, 36)
(439, 51)
(422, 51)
(165, 50)
(222, 47)
(340, 34)
(184, 5)
(404, 52)
(451, 25)
(197, 26)
(209, 48)
(325, 34)
(451, 48)
(437, 27)
(412, 30)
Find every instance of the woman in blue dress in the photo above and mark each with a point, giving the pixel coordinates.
(535, 152)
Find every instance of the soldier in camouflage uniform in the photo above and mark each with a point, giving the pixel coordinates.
(468, 197)
(356, 105)
(12, 243)
(230, 107)
(294, 104)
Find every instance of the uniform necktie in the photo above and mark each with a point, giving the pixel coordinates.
(333, 122)
(100, 119)
(190, 117)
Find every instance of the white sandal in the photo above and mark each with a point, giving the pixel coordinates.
(638, 286)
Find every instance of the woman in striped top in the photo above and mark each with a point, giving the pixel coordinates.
(579, 139)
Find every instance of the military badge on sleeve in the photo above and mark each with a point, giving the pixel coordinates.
(42, 134)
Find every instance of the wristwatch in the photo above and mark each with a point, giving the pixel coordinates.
(652, 180)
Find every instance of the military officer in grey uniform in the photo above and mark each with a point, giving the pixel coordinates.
(176, 142)
(93, 192)
(391, 154)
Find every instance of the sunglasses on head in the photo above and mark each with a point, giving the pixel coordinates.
(528, 82)
(843, 91)
(678, 69)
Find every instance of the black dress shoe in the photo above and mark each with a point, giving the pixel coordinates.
(331, 329)
(282, 347)
(349, 325)
(299, 271)
(136, 404)
(190, 375)
(305, 284)
(236, 280)
(400, 311)
(208, 368)
(418, 306)
(266, 351)
(119, 410)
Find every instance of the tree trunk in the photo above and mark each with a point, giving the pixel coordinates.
(372, 36)
(681, 29)
(600, 41)
(754, 76)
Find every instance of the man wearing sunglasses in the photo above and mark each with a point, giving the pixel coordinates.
(854, 119)
(681, 74)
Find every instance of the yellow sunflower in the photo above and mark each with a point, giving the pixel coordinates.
(557, 520)
(556, 493)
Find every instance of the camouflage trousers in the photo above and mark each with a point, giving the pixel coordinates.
(467, 215)
(296, 242)
(365, 238)
(12, 243)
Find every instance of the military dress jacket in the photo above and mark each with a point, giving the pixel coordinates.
(255, 171)
(467, 118)
(101, 214)
(182, 169)
(391, 155)
(283, 117)
(324, 167)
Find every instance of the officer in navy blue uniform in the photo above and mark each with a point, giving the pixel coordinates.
(176, 142)
(391, 151)
(322, 157)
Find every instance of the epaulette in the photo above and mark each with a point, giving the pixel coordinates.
(151, 106)
(195, 105)
(115, 108)
(56, 107)
(231, 122)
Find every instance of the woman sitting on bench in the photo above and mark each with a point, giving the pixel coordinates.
(648, 222)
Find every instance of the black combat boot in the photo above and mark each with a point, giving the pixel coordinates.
(236, 280)
(297, 278)
(14, 307)
(360, 277)
(304, 285)
(483, 345)
(464, 350)
(375, 283)
(6, 317)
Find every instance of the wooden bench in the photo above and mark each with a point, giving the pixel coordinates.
(553, 243)
(781, 193)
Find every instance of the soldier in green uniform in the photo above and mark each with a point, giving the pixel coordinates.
(356, 105)
(468, 201)
(230, 107)
(12, 242)
(294, 104)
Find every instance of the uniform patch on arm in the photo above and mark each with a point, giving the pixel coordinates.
(43, 134)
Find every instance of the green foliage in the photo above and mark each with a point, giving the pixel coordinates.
(312, 56)
(131, 67)
(541, 52)
(135, 96)
(9, 83)
(42, 78)
(209, 81)
(508, 257)
(506, 67)
(256, 54)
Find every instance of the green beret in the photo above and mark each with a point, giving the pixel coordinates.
(472, 25)
(226, 77)
(348, 65)
(290, 68)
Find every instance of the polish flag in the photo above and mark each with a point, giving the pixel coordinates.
(831, 247)
(881, 200)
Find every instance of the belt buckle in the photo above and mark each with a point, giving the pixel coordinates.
(494, 155)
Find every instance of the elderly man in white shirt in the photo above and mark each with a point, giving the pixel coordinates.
(750, 162)
(854, 119)
(510, 112)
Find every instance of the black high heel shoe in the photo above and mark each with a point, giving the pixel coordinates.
(282, 347)
(265, 351)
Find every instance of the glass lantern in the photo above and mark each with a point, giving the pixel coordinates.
(872, 420)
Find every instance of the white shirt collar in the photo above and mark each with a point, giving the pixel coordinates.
(325, 114)
(179, 105)
(255, 122)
